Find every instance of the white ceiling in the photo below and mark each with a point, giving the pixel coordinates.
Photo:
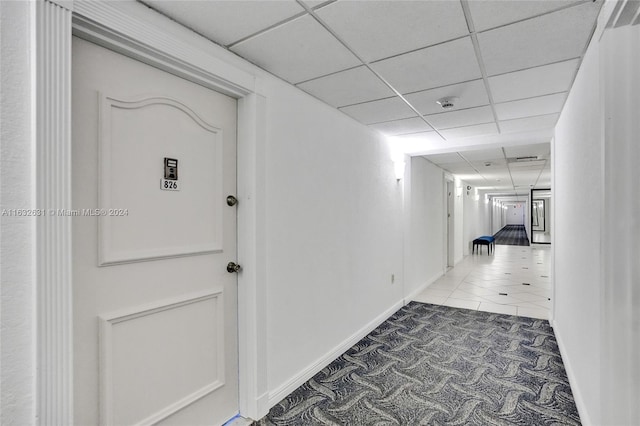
(385, 63)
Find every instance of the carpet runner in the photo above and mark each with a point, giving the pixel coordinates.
(512, 235)
(437, 365)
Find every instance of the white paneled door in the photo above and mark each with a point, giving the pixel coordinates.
(154, 309)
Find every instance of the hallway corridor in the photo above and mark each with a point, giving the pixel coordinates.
(514, 280)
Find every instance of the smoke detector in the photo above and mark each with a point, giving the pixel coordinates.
(447, 103)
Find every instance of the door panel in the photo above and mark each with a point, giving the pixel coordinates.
(155, 312)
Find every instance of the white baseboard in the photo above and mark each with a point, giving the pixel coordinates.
(575, 390)
(299, 379)
(409, 297)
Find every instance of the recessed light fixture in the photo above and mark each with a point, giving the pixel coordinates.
(448, 102)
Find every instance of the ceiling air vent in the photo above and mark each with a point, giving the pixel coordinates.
(523, 159)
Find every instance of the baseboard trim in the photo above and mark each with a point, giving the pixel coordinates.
(262, 403)
(575, 390)
(295, 382)
(409, 297)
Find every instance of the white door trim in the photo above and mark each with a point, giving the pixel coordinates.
(162, 43)
(54, 325)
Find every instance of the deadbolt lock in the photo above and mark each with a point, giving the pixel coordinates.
(233, 267)
(231, 200)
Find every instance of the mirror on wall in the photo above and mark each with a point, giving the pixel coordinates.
(540, 216)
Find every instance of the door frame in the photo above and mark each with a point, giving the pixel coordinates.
(449, 226)
(157, 41)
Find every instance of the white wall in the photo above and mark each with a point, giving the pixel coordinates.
(515, 214)
(595, 231)
(619, 290)
(17, 349)
(424, 253)
(577, 194)
(334, 232)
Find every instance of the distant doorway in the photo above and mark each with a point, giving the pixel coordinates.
(540, 216)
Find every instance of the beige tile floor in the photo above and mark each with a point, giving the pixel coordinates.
(514, 280)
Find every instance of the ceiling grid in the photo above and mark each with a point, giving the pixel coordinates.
(385, 63)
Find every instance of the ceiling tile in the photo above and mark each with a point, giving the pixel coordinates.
(493, 154)
(538, 149)
(493, 13)
(470, 94)
(459, 168)
(549, 38)
(225, 22)
(529, 124)
(532, 82)
(379, 111)
(440, 65)
(297, 51)
(402, 127)
(418, 140)
(448, 158)
(348, 87)
(524, 166)
(464, 117)
(530, 107)
(469, 131)
(496, 165)
(379, 29)
(316, 3)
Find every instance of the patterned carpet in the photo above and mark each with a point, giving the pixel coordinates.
(436, 365)
(512, 235)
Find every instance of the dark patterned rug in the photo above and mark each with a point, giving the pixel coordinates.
(436, 365)
(512, 235)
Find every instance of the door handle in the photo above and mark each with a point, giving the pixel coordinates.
(232, 201)
(233, 267)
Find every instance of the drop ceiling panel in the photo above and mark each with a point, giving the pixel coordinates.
(549, 38)
(530, 107)
(539, 150)
(529, 124)
(225, 22)
(470, 131)
(527, 165)
(297, 51)
(440, 65)
(348, 87)
(417, 140)
(448, 158)
(490, 14)
(471, 94)
(497, 166)
(526, 180)
(316, 3)
(459, 168)
(532, 82)
(379, 111)
(465, 117)
(379, 29)
(402, 127)
(484, 154)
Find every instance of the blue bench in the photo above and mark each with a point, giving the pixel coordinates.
(485, 240)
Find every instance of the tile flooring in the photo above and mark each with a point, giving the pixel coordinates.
(513, 280)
